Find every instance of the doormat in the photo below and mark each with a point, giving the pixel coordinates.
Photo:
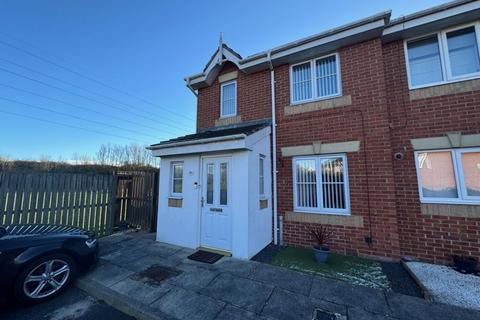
(205, 256)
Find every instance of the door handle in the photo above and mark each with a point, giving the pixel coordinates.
(202, 201)
(216, 209)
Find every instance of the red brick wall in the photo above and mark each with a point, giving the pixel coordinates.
(432, 238)
(384, 120)
(253, 98)
(365, 82)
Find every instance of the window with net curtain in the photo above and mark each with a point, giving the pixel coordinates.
(321, 184)
(449, 175)
(315, 79)
(444, 56)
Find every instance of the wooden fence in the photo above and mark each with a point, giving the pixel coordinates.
(137, 199)
(88, 201)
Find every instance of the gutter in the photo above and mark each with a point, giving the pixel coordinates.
(201, 141)
(189, 86)
(274, 153)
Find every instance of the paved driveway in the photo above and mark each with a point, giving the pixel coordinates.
(154, 280)
(73, 304)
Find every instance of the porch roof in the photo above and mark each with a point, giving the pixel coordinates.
(197, 142)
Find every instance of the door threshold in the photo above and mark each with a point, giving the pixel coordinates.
(218, 251)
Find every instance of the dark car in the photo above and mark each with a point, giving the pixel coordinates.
(38, 262)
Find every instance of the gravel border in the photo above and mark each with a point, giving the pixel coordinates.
(446, 285)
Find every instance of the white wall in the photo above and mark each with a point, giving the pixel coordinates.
(240, 205)
(259, 221)
(179, 225)
(251, 227)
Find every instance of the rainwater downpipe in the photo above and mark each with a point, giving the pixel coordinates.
(274, 151)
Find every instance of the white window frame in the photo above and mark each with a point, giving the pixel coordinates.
(320, 209)
(463, 198)
(314, 79)
(221, 99)
(261, 176)
(444, 56)
(172, 178)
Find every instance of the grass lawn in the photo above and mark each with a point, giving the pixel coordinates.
(350, 269)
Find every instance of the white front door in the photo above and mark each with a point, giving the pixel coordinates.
(216, 229)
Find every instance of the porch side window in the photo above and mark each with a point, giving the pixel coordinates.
(449, 176)
(228, 95)
(261, 176)
(321, 184)
(177, 178)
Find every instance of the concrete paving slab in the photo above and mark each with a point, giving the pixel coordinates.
(141, 291)
(108, 274)
(244, 293)
(183, 304)
(125, 256)
(233, 313)
(147, 261)
(161, 249)
(234, 266)
(355, 313)
(344, 293)
(406, 307)
(286, 305)
(283, 278)
(193, 278)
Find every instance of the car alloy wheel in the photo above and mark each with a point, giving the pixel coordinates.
(46, 279)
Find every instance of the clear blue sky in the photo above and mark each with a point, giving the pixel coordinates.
(143, 47)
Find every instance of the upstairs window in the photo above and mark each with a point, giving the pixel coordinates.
(228, 96)
(446, 56)
(177, 178)
(315, 79)
(449, 176)
(321, 184)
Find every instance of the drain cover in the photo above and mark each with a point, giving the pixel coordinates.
(320, 314)
(156, 274)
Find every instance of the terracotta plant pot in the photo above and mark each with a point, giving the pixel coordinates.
(321, 254)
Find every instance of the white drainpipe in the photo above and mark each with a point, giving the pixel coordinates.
(274, 156)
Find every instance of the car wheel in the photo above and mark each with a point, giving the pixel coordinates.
(44, 278)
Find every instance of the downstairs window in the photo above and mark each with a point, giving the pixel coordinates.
(321, 184)
(449, 176)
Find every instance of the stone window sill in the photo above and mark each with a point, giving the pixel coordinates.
(331, 219)
(445, 89)
(228, 120)
(451, 210)
(318, 105)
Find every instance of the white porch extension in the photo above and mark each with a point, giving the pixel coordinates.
(215, 190)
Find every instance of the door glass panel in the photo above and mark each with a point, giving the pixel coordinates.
(223, 183)
(437, 175)
(471, 172)
(210, 173)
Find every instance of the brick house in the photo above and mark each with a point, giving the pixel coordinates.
(376, 132)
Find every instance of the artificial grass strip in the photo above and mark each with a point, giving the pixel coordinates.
(347, 268)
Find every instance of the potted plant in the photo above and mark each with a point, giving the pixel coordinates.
(465, 264)
(322, 235)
